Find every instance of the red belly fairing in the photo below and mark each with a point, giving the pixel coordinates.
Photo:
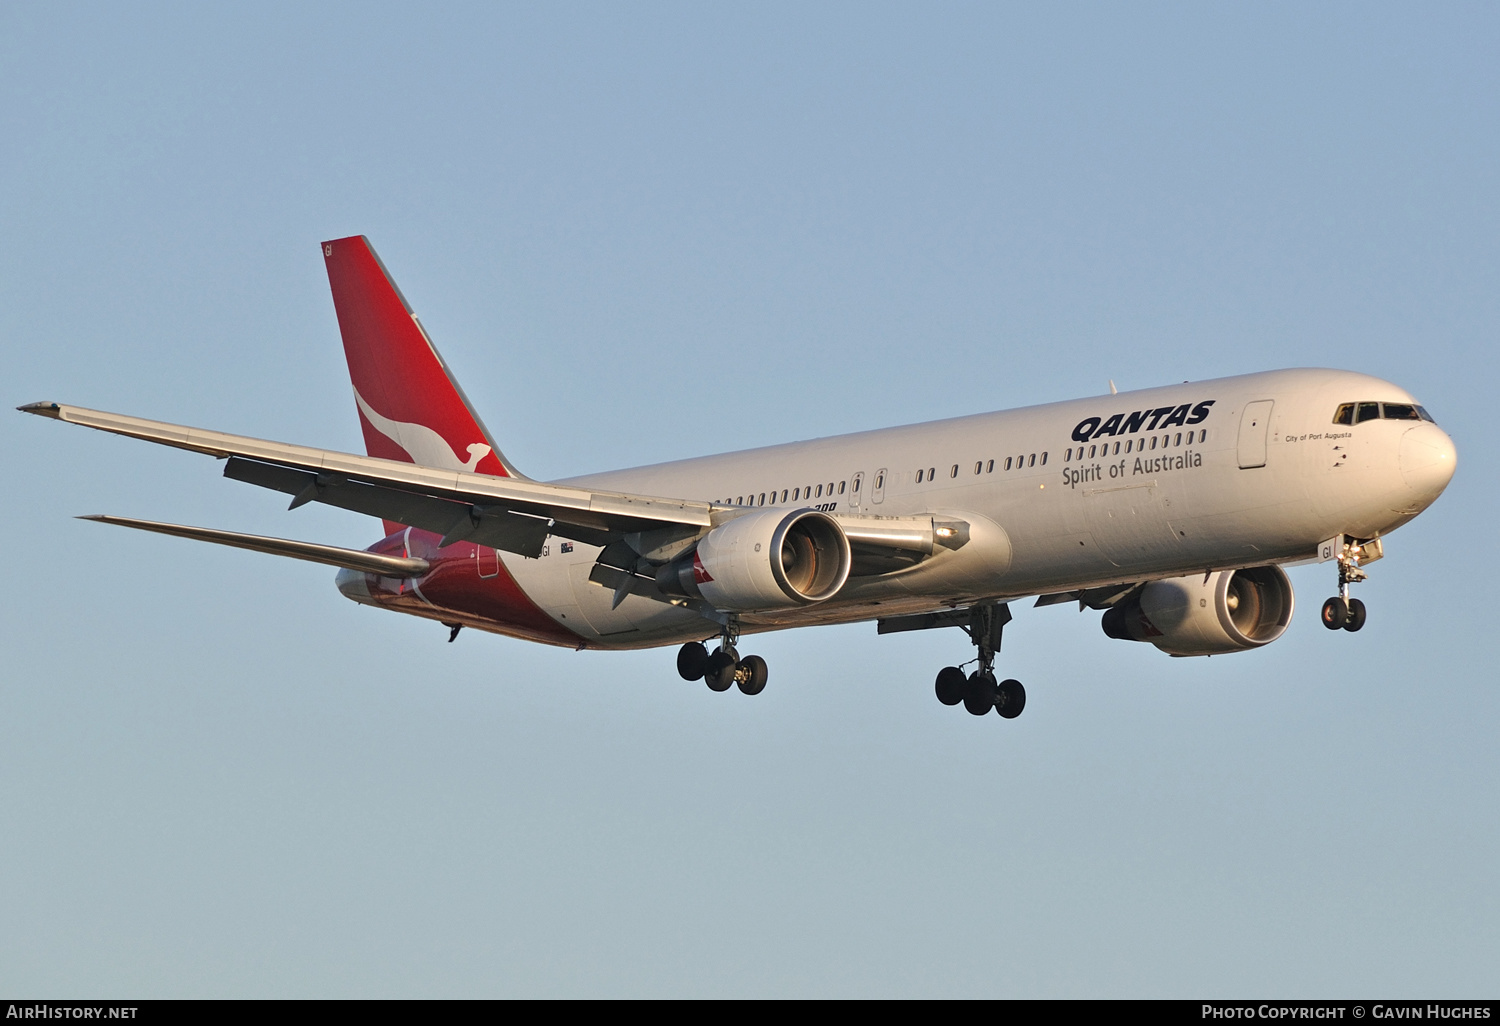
(453, 590)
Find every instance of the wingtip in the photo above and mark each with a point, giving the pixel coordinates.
(41, 409)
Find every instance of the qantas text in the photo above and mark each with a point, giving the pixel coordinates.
(1142, 420)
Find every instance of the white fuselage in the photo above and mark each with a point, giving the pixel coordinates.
(1218, 474)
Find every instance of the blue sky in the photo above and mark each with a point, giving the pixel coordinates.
(643, 233)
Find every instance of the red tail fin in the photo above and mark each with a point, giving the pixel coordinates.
(410, 407)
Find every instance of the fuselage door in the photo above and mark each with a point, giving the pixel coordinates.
(1254, 424)
(856, 497)
(877, 488)
(488, 560)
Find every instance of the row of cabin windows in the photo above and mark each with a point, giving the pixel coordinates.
(1358, 413)
(1134, 445)
(772, 497)
(986, 467)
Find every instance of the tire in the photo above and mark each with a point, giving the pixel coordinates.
(1010, 698)
(752, 675)
(718, 674)
(692, 660)
(980, 697)
(1356, 615)
(1335, 613)
(951, 685)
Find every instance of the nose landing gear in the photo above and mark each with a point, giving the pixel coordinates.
(1342, 612)
(723, 669)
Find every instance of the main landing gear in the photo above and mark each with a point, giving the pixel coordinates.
(978, 691)
(1341, 611)
(723, 669)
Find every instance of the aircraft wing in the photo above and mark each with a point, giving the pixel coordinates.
(500, 512)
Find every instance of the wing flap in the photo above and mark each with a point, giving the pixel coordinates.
(455, 521)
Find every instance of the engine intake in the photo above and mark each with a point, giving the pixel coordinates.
(1229, 611)
(770, 559)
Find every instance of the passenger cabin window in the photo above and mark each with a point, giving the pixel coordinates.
(919, 477)
(954, 471)
(991, 469)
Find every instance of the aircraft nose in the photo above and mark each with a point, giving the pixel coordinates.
(1427, 459)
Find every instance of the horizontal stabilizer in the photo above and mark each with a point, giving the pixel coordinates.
(349, 559)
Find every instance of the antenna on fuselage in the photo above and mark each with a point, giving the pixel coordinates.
(1112, 389)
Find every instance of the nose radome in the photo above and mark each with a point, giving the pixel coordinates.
(1427, 460)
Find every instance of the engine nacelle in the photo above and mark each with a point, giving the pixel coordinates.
(769, 559)
(1230, 611)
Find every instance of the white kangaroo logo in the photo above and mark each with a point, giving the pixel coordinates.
(425, 446)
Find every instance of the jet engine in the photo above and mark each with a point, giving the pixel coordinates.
(769, 559)
(1227, 611)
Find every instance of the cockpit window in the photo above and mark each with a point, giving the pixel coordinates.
(1358, 413)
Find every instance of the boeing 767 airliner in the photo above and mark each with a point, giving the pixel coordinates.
(1171, 509)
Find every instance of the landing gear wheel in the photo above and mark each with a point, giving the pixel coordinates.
(718, 674)
(1336, 613)
(1356, 615)
(692, 660)
(1010, 698)
(951, 685)
(980, 697)
(751, 675)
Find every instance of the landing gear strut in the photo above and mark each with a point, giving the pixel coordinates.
(1341, 611)
(979, 691)
(724, 668)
